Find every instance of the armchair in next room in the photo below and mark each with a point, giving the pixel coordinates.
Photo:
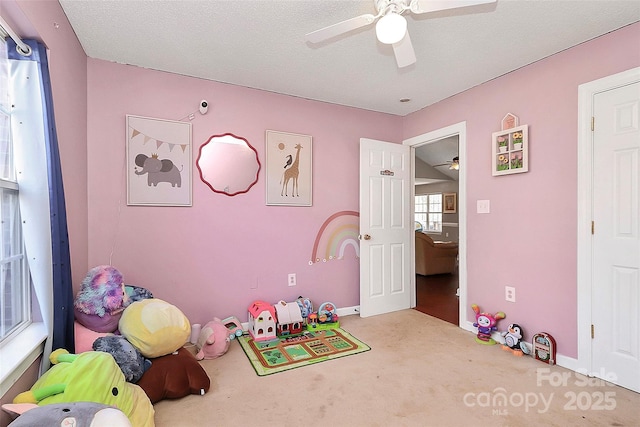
(434, 257)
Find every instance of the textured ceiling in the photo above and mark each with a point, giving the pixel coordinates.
(439, 154)
(261, 44)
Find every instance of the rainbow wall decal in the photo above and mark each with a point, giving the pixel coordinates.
(337, 233)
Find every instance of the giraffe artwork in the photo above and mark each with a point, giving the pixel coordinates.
(288, 169)
(291, 174)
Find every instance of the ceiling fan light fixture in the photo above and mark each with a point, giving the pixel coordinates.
(391, 28)
(455, 164)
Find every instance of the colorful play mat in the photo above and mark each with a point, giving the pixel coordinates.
(284, 353)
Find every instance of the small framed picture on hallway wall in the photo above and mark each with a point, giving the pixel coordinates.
(449, 203)
(158, 162)
(288, 169)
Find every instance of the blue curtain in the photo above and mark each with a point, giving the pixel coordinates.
(63, 317)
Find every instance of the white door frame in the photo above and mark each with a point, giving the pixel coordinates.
(586, 94)
(459, 129)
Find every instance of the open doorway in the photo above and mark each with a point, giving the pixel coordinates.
(439, 212)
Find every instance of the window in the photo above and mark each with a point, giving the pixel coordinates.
(15, 292)
(428, 212)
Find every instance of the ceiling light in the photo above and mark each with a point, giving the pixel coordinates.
(455, 165)
(391, 28)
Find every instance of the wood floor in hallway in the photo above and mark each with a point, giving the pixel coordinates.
(436, 296)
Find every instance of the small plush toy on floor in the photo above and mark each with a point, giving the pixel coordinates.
(486, 323)
(512, 338)
(213, 341)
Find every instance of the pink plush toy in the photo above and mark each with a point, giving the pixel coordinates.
(213, 341)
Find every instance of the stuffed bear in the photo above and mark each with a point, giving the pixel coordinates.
(130, 360)
(213, 341)
(101, 299)
(173, 376)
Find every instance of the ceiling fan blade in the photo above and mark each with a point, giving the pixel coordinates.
(405, 55)
(425, 6)
(340, 28)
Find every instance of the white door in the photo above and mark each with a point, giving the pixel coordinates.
(616, 236)
(385, 227)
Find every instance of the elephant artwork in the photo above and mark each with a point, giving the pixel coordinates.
(158, 170)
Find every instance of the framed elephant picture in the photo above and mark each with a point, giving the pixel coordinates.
(158, 162)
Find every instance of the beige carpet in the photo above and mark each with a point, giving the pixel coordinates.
(421, 371)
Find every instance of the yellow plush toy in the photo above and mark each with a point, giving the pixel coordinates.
(154, 327)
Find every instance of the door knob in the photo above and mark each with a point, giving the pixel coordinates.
(365, 237)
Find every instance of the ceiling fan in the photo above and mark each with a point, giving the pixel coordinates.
(454, 164)
(391, 27)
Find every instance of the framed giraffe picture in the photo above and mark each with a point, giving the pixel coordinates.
(288, 169)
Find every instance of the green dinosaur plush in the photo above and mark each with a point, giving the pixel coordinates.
(92, 376)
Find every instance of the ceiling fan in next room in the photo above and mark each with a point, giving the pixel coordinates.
(391, 27)
(454, 164)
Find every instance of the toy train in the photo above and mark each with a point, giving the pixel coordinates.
(268, 322)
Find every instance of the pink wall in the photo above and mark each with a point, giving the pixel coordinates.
(529, 238)
(206, 259)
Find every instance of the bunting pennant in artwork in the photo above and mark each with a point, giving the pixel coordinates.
(135, 132)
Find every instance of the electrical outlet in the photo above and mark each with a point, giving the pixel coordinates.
(510, 293)
(292, 279)
(483, 206)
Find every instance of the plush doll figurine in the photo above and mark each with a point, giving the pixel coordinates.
(213, 341)
(486, 323)
(101, 299)
(92, 376)
(306, 308)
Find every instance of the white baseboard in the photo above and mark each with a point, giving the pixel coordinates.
(347, 311)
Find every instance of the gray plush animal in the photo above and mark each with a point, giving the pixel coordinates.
(130, 360)
(78, 414)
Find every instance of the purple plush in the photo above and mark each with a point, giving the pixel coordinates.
(102, 297)
(106, 323)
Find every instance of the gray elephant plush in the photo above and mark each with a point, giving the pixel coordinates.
(158, 170)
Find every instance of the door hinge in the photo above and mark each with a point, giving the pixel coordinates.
(593, 227)
(593, 123)
(592, 332)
